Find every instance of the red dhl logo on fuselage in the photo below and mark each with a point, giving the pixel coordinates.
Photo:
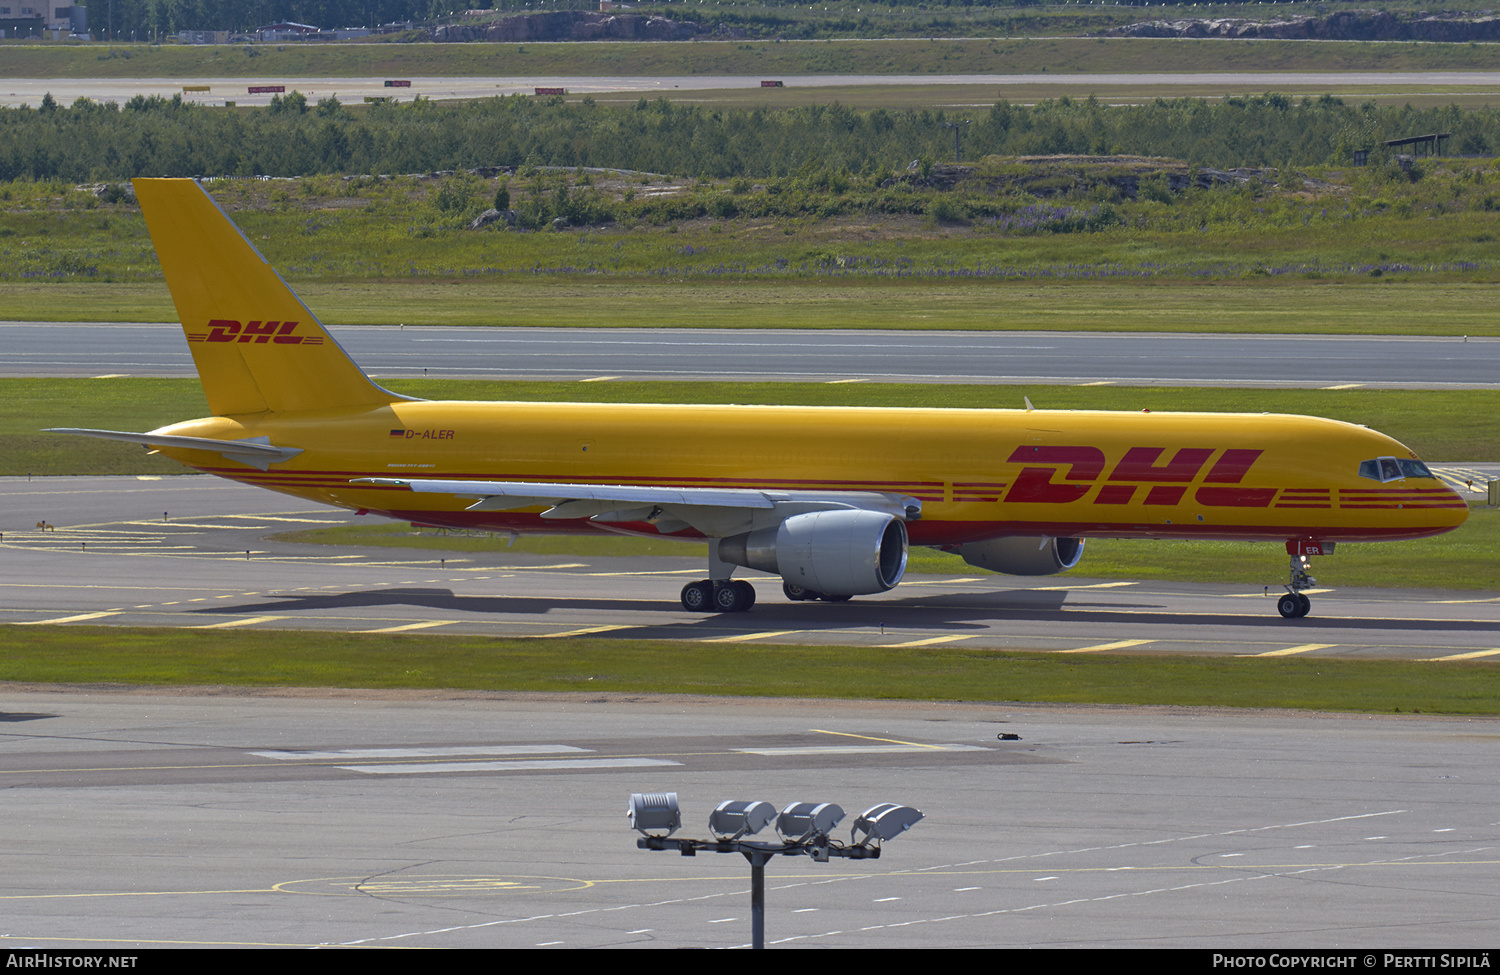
(1140, 468)
(228, 330)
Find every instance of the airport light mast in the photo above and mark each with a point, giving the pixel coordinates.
(803, 826)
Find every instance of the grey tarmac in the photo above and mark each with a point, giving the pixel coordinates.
(732, 355)
(15, 92)
(373, 820)
(110, 558)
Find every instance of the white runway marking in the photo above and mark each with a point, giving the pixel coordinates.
(561, 764)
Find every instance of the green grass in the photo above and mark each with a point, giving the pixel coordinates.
(98, 655)
(1389, 307)
(1054, 56)
(1370, 256)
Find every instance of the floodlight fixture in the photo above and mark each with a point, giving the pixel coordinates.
(732, 819)
(802, 820)
(884, 821)
(651, 812)
(804, 829)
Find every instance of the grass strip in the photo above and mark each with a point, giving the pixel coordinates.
(1250, 307)
(1050, 57)
(107, 655)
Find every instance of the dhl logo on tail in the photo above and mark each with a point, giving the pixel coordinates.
(226, 330)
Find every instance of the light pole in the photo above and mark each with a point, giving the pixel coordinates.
(957, 128)
(804, 829)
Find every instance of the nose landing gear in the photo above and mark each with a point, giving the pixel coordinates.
(1295, 604)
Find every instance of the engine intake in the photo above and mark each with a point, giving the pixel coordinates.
(844, 552)
(1023, 555)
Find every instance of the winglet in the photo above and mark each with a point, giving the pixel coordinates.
(256, 346)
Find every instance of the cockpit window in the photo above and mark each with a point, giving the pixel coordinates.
(1392, 468)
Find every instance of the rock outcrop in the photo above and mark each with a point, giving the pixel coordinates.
(1344, 26)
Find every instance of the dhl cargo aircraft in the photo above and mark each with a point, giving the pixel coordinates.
(827, 498)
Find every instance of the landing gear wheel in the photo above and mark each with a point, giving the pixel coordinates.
(733, 597)
(1293, 606)
(698, 597)
(796, 593)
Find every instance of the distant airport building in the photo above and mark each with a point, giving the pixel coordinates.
(57, 19)
(203, 37)
(285, 31)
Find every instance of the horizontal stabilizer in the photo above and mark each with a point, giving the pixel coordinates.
(254, 452)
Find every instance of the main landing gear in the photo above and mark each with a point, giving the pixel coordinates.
(718, 596)
(1295, 604)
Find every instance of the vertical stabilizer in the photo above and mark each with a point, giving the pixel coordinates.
(256, 346)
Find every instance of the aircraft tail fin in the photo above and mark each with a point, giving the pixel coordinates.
(256, 346)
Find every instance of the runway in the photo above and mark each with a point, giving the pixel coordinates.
(215, 562)
(95, 349)
(15, 92)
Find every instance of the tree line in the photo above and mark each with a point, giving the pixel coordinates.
(169, 137)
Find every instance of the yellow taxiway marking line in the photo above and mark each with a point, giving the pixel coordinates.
(1097, 585)
(524, 568)
(598, 379)
(1304, 648)
(1117, 645)
(929, 641)
(586, 631)
(409, 626)
(1471, 655)
(941, 582)
(1268, 595)
(890, 741)
(1456, 602)
(308, 521)
(68, 619)
(248, 621)
(1346, 386)
(648, 572)
(743, 637)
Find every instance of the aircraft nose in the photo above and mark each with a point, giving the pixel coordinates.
(1460, 509)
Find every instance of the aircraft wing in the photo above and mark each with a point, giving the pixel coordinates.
(252, 452)
(712, 511)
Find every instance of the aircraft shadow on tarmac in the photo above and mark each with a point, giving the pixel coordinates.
(944, 613)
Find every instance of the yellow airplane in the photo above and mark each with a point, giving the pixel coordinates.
(827, 498)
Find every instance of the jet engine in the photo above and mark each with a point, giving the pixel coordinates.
(842, 552)
(1022, 555)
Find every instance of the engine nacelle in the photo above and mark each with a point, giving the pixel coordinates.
(1023, 555)
(843, 552)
